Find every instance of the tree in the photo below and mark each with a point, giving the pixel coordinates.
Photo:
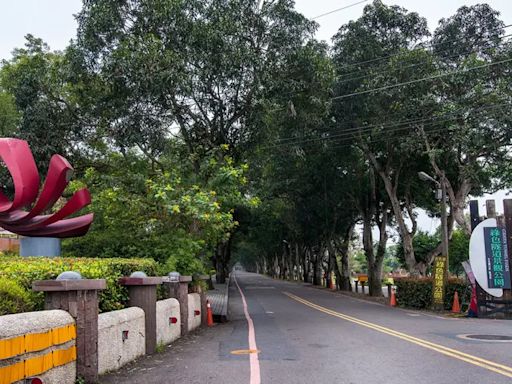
(35, 79)
(459, 251)
(475, 142)
(9, 116)
(376, 48)
(196, 69)
(140, 212)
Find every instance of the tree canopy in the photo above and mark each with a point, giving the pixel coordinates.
(222, 130)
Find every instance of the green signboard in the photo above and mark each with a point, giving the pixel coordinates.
(496, 254)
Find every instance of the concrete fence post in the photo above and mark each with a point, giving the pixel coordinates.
(179, 290)
(80, 299)
(142, 293)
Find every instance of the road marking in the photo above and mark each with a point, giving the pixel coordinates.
(244, 351)
(475, 360)
(253, 357)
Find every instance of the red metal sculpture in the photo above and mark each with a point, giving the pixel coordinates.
(19, 161)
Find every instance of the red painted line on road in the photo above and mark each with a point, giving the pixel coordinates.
(253, 357)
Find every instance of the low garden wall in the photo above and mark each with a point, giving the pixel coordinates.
(85, 330)
(38, 344)
(168, 322)
(120, 338)
(194, 311)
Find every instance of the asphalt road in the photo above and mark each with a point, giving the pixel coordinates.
(307, 335)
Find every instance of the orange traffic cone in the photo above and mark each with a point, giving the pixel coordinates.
(392, 299)
(456, 305)
(209, 313)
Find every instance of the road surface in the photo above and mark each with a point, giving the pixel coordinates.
(305, 335)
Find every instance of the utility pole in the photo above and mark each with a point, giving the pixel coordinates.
(444, 221)
(441, 264)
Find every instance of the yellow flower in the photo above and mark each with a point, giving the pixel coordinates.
(175, 208)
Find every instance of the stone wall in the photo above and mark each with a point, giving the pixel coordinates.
(121, 338)
(168, 321)
(194, 311)
(38, 344)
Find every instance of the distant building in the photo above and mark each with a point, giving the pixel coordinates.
(9, 242)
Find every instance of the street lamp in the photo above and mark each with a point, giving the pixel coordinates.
(444, 220)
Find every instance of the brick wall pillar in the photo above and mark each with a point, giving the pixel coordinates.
(80, 299)
(179, 291)
(142, 291)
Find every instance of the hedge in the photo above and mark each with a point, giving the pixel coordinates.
(14, 298)
(24, 270)
(417, 292)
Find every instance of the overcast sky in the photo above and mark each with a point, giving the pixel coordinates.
(53, 21)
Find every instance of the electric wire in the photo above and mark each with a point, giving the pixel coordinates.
(391, 86)
(357, 131)
(368, 128)
(424, 45)
(344, 80)
(339, 9)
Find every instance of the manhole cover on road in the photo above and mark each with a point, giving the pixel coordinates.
(492, 338)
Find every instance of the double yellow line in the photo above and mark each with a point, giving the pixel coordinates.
(489, 365)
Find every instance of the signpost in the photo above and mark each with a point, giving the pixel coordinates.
(490, 248)
(440, 270)
(496, 255)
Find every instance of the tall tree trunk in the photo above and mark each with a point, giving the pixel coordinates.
(222, 259)
(333, 263)
(368, 247)
(375, 277)
(317, 267)
(390, 179)
(305, 265)
(344, 279)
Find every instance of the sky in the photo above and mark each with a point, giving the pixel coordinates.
(54, 22)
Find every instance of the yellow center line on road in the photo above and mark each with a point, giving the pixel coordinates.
(475, 360)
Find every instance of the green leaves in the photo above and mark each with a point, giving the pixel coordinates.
(17, 275)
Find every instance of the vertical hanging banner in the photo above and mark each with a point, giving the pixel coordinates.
(496, 255)
(438, 283)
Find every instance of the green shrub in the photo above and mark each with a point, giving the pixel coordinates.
(417, 292)
(14, 298)
(26, 270)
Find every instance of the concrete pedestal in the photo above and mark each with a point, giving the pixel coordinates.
(40, 246)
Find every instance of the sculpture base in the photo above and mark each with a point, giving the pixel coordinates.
(40, 246)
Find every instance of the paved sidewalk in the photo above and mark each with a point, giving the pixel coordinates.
(219, 298)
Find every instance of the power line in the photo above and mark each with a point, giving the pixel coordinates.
(368, 128)
(339, 9)
(351, 132)
(382, 72)
(419, 80)
(425, 45)
(343, 80)
(379, 140)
